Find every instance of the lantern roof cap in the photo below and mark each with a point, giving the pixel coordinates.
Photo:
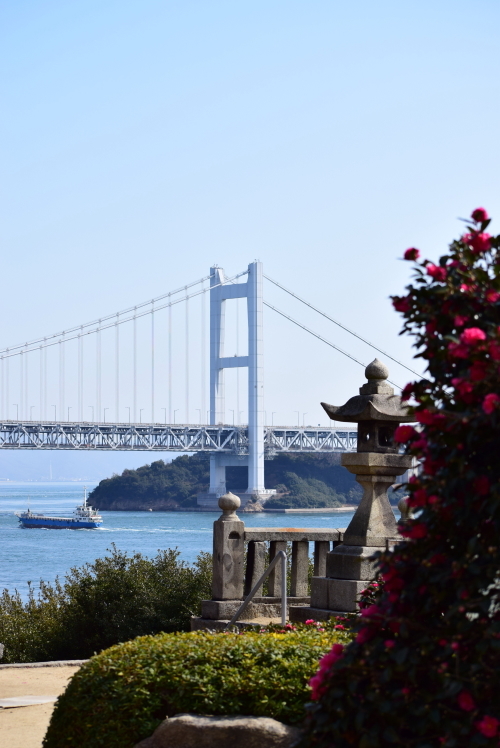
(376, 400)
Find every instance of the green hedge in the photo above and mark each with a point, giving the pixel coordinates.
(120, 696)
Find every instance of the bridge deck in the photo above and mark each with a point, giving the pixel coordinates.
(167, 437)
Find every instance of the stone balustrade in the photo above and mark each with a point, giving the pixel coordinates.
(233, 579)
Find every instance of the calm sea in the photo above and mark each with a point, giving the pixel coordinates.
(31, 555)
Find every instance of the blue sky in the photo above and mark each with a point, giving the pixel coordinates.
(143, 141)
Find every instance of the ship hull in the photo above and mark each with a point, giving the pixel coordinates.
(58, 524)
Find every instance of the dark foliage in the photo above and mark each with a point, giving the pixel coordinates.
(307, 479)
(114, 599)
(424, 671)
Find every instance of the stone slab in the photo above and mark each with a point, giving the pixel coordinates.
(352, 562)
(292, 533)
(259, 607)
(193, 731)
(304, 613)
(336, 594)
(16, 701)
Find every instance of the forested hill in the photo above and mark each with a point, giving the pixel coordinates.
(305, 480)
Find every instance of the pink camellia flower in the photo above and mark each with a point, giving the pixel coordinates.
(437, 272)
(494, 351)
(490, 403)
(364, 635)
(371, 612)
(317, 687)
(403, 434)
(492, 296)
(479, 215)
(479, 242)
(458, 350)
(407, 391)
(460, 321)
(488, 726)
(412, 254)
(309, 621)
(465, 700)
(472, 335)
(401, 303)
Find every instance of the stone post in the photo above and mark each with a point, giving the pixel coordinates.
(228, 551)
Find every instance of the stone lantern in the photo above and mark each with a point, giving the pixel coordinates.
(378, 412)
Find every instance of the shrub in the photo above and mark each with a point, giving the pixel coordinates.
(424, 670)
(114, 599)
(122, 695)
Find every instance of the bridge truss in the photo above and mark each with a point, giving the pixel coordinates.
(221, 439)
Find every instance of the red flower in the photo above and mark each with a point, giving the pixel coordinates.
(464, 388)
(373, 611)
(478, 370)
(412, 254)
(415, 531)
(490, 402)
(472, 335)
(478, 242)
(465, 701)
(431, 327)
(407, 391)
(403, 434)
(389, 643)
(479, 215)
(437, 272)
(418, 497)
(492, 296)
(460, 321)
(458, 350)
(482, 485)
(488, 726)
(365, 634)
(401, 303)
(494, 351)
(430, 419)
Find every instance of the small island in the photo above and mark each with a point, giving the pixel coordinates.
(301, 481)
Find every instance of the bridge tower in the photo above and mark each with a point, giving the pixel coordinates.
(221, 292)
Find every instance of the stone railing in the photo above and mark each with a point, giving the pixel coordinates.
(233, 578)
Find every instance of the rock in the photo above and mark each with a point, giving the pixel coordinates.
(253, 506)
(193, 731)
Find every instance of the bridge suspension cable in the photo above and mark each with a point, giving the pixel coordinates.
(320, 337)
(6, 353)
(335, 322)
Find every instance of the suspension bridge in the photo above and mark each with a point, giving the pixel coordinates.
(74, 371)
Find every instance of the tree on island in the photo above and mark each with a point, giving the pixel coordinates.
(424, 669)
(306, 480)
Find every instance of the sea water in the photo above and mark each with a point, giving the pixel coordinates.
(34, 554)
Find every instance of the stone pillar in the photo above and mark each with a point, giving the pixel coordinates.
(228, 551)
(321, 549)
(300, 568)
(256, 565)
(274, 583)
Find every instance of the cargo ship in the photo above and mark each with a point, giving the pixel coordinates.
(84, 518)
